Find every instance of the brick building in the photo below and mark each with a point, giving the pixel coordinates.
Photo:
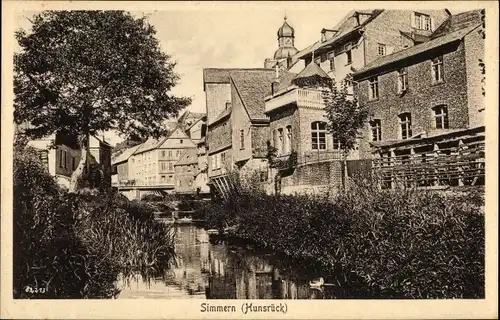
(426, 100)
(237, 129)
(364, 36)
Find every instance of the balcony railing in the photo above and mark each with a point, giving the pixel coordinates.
(301, 97)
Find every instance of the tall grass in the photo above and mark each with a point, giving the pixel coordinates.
(76, 245)
(376, 243)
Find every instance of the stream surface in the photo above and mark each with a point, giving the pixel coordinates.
(225, 271)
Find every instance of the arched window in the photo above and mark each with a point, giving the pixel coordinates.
(405, 125)
(441, 117)
(318, 135)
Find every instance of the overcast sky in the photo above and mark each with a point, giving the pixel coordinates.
(237, 34)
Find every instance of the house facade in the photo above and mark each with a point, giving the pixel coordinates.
(421, 100)
(153, 162)
(123, 168)
(62, 156)
(364, 36)
(186, 170)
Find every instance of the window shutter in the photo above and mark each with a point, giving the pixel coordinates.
(413, 19)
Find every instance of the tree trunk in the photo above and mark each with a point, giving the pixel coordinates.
(82, 165)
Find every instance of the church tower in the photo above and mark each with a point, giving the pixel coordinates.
(286, 47)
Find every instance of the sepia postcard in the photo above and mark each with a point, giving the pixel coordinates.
(249, 159)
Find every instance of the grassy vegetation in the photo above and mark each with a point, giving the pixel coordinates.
(376, 243)
(76, 245)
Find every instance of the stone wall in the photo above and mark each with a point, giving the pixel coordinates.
(313, 177)
(421, 96)
(474, 50)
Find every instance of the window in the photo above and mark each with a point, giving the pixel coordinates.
(60, 158)
(65, 163)
(348, 52)
(178, 153)
(73, 163)
(162, 178)
(441, 117)
(437, 69)
(382, 49)
(332, 61)
(422, 21)
(318, 135)
(402, 80)
(181, 141)
(242, 139)
(170, 166)
(288, 138)
(170, 153)
(376, 129)
(222, 159)
(163, 166)
(373, 88)
(281, 142)
(405, 124)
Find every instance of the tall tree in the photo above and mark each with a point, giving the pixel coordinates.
(345, 116)
(80, 73)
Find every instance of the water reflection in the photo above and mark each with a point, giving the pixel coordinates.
(222, 271)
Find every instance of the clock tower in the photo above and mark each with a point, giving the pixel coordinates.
(286, 47)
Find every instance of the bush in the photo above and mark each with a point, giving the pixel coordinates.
(375, 243)
(74, 246)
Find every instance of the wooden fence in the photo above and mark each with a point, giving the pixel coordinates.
(450, 166)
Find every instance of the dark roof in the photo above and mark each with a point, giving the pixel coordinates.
(252, 87)
(344, 27)
(285, 79)
(413, 51)
(221, 116)
(457, 22)
(125, 155)
(221, 75)
(189, 157)
(311, 70)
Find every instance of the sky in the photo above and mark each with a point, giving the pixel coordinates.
(201, 35)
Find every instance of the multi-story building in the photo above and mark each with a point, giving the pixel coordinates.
(186, 170)
(364, 36)
(201, 177)
(62, 155)
(123, 168)
(237, 126)
(153, 162)
(427, 101)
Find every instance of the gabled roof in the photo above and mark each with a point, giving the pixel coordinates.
(189, 157)
(413, 51)
(252, 87)
(311, 70)
(457, 22)
(221, 75)
(125, 155)
(344, 28)
(150, 144)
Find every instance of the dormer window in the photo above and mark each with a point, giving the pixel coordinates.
(422, 21)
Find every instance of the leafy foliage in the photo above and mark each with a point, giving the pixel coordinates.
(345, 116)
(76, 245)
(84, 72)
(376, 244)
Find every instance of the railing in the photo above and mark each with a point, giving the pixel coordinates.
(300, 97)
(455, 166)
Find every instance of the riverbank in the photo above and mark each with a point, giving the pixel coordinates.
(377, 244)
(74, 246)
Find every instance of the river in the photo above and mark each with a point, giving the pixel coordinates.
(225, 271)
